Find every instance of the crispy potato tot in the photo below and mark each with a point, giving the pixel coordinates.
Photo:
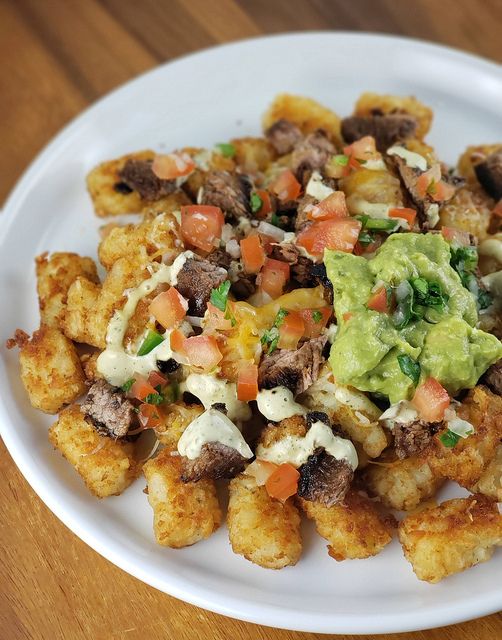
(386, 104)
(466, 461)
(490, 482)
(456, 535)
(50, 369)
(263, 530)
(101, 183)
(468, 210)
(183, 513)
(177, 418)
(307, 114)
(89, 363)
(155, 235)
(349, 408)
(107, 466)
(294, 426)
(253, 154)
(89, 308)
(55, 274)
(472, 156)
(402, 484)
(490, 254)
(366, 185)
(354, 529)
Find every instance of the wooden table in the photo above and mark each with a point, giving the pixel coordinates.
(58, 56)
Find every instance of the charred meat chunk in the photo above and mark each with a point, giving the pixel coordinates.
(387, 130)
(412, 438)
(324, 479)
(317, 416)
(215, 461)
(321, 277)
(138, 176)
(493, 378)
(302, 272)
(489, 174)
(230, 192)
(244, 286)
(305, 204)
(220, 258)
(196, 279)
(106, 407)
(296, 370)
(287, 252)
(283, 135)
(311, 153)
(168, 366)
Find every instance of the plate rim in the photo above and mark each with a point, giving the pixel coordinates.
(276, 617)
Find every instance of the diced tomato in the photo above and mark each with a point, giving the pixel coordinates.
(443, 191)
(283, 482)
(169, 308)
(358, 249)
(378, 301)
(431, 400)
(403, 212)
(286, 187)
(202, 351)
(201, 225)
(141, 388)
(247, 382)
(172, 165)
(266, 206)
(314, 321)
(291, 330)
(427, 181)
(340, 234)
(149, 416)
(177, 341)
(252, 253)
(347, 316)
(155, 379)
(360, 151)
(268, 242)
(273, 277)
(497, 209)
(260, 470)
(215, 319)
(451, 234)
(333, 206)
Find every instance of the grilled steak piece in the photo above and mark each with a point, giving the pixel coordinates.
(493, 378)
(317, 416)
(296, 370)
(108, 410)
(321, 277)
(301, 266)
(301, 220)
(489, 174)
(412, 438)
(168, 366)
(283, 135)
(138, 175)
(196, 279)
(324, 479)
(387, 130)
(244, 286)
(287, 252)
(220, 258)
(311, 153)
(215, 461)
(228, 191)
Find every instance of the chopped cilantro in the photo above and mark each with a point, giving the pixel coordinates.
(256, 202)
(154, 398)
(126, 387)
(409, 367)
(378, 224)
(316, 316)
(465, 262)
(429, 294)
(230, 316)
(449, 439)
(366, 238)
(414, 297)
(226, 149)
(219, 296)
(271, 337)
(342, 160)
(484, 299)
(152, 340)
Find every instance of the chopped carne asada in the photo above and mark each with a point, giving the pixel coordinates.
(386, 129)
(324, 479)
(137, 175)
(493, 378)
(230, 192)
(295, 370)
(489, 174)
(108, 410)
(244, 286)
(216, 461)
(311, 153)
(283, 135)
(412, 438)
(196, 279)
(304, 205)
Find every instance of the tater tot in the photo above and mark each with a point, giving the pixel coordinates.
(263, 530)
(183, 513)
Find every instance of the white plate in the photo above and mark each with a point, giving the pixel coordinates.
(199, 100)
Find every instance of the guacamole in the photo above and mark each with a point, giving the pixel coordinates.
(430, 319)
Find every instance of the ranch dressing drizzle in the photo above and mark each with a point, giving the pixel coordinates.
(212, 390)
(412, 159)
(114, 363)
(212, 426)
(278, 403)
(492, 248)
(296, 450)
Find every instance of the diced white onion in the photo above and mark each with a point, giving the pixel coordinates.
(271, 230)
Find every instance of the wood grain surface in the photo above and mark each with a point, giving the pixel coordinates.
(58, 56)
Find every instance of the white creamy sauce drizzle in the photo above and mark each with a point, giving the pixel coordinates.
(460, 427)
(212, 426)
(412, 159)
(374, 164)
(432, 215)
(316, 188)
(331, 332)
(278, 403)
(493, 282)
(296, 450)
(114, 363)
(212, 390)
(491, 248)
(403, 412)
(353, 399)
